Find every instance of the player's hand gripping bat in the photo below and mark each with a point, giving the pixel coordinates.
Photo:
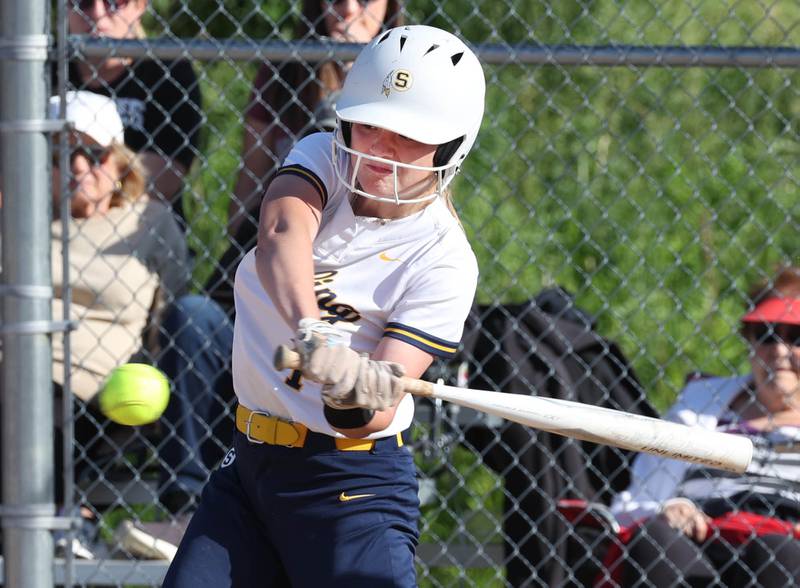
(588, 423)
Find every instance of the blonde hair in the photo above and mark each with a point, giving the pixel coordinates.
(447, 196)
(132, 180)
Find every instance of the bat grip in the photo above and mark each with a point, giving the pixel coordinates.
(288, 359)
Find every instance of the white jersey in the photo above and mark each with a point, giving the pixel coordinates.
(411, 279)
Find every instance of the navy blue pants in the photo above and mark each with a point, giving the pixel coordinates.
(196, 338)
(306, 517)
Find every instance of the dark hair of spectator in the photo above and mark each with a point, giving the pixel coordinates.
(301, 86)
(785, 284)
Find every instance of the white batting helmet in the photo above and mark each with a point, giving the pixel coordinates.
(420, 82)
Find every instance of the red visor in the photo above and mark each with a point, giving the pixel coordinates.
(775, 310)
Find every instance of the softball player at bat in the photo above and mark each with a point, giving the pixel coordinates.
(362, 261)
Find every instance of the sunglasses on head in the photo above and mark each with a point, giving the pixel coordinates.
(94, 154)
(110, 5)
(774, 333)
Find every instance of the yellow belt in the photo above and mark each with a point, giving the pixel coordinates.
(263, 428)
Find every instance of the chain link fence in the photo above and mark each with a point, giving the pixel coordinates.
(636, 172)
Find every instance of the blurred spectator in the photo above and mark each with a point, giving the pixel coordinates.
(693, 525)
(197, 331)
(124, 249)
(293, 99)
(159, 100)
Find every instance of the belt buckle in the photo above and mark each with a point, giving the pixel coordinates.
(250, 422)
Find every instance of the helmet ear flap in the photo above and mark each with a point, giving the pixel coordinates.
(445, 151)
(346, 127)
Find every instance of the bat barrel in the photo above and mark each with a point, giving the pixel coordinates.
(610, 427)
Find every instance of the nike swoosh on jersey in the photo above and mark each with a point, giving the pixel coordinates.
(345, 498)
(384, 257)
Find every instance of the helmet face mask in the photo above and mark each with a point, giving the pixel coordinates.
(348, 162)
(420, 82)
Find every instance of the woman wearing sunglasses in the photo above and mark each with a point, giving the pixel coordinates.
(123, 246)
(697, 526)
(123, 249)
(159, 100)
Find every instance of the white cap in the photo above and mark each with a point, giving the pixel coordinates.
(92, 114)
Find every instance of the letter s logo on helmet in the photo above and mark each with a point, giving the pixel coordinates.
(418, 81)
(398, 79)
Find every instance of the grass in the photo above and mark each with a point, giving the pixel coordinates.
(112, 518)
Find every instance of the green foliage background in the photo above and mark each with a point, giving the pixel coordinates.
(655, 195)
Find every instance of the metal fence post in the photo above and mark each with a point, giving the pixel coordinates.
(27, 419)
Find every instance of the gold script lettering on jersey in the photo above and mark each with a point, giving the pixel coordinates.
(331, 310)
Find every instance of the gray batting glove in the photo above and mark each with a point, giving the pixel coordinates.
(323, 355)
(378, 386)
(349, 380)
